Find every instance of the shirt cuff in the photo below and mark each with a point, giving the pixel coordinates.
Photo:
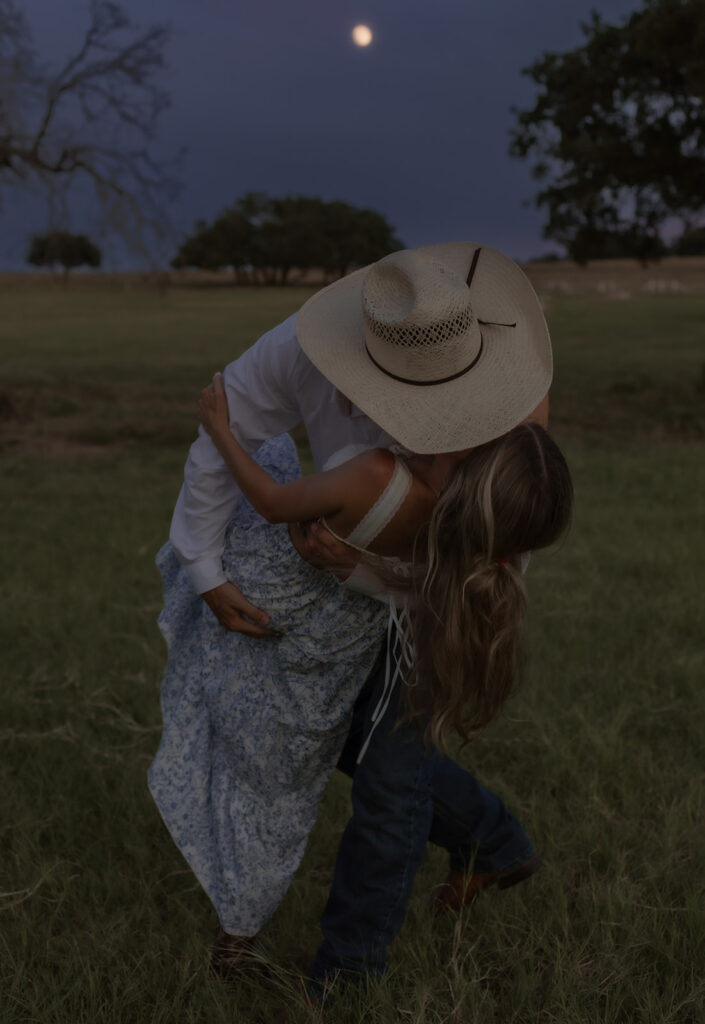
(206, 574)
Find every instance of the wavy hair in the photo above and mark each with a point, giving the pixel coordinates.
(504, 499)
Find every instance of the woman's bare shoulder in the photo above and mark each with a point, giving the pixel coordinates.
(398, 536)
(358, 482)
(376, 465)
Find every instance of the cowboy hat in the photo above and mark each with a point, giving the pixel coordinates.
(444, 347)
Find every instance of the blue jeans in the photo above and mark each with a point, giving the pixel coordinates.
(402, 796)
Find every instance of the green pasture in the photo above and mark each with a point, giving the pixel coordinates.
(601, 753)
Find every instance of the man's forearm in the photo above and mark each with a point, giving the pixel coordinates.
(258, 387)
(207, 500)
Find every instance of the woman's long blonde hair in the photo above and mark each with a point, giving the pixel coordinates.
(505, 498)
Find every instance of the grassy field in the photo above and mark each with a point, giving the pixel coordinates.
(601, 753)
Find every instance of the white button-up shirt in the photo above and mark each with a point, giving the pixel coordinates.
(270, 389)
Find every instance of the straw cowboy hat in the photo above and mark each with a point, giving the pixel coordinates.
(445, 347)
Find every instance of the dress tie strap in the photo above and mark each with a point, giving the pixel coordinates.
(400, 661)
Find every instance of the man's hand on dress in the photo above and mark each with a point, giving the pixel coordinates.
(324, 551)
(235, 612)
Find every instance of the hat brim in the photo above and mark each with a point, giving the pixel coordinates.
(508, 381)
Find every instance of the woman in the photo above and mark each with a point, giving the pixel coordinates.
(252, 730)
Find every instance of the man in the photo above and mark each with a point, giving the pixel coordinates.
(439, 349)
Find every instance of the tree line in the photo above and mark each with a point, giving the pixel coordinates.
(212, 252)
(263, 238)
(259, 238)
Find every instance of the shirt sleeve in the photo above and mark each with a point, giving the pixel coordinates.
(261, 388)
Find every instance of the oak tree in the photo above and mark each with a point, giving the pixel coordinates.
(93, 119)
(272, 236)
(617, 131)
(64, 248)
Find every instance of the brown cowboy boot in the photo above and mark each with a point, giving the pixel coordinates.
(461, 890)
(231, 954)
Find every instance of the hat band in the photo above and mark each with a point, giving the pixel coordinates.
(426, 383)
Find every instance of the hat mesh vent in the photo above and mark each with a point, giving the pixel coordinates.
(428, 335)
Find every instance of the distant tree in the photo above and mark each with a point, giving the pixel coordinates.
(94, 118)
(224, 243)
(617, 132)
(690, 243)
(355, 237)
(256, 207)
(291, 236)
(273, 236)
(594, 243)
(67, 250)
(545, 257)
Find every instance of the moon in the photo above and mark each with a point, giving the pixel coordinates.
(362, 35)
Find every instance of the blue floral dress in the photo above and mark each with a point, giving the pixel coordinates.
(252, 728)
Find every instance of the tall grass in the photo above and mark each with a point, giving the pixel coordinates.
(601, 754)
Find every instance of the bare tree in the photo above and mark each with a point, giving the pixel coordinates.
(94, 119)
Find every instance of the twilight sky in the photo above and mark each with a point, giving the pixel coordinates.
(272, 95)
